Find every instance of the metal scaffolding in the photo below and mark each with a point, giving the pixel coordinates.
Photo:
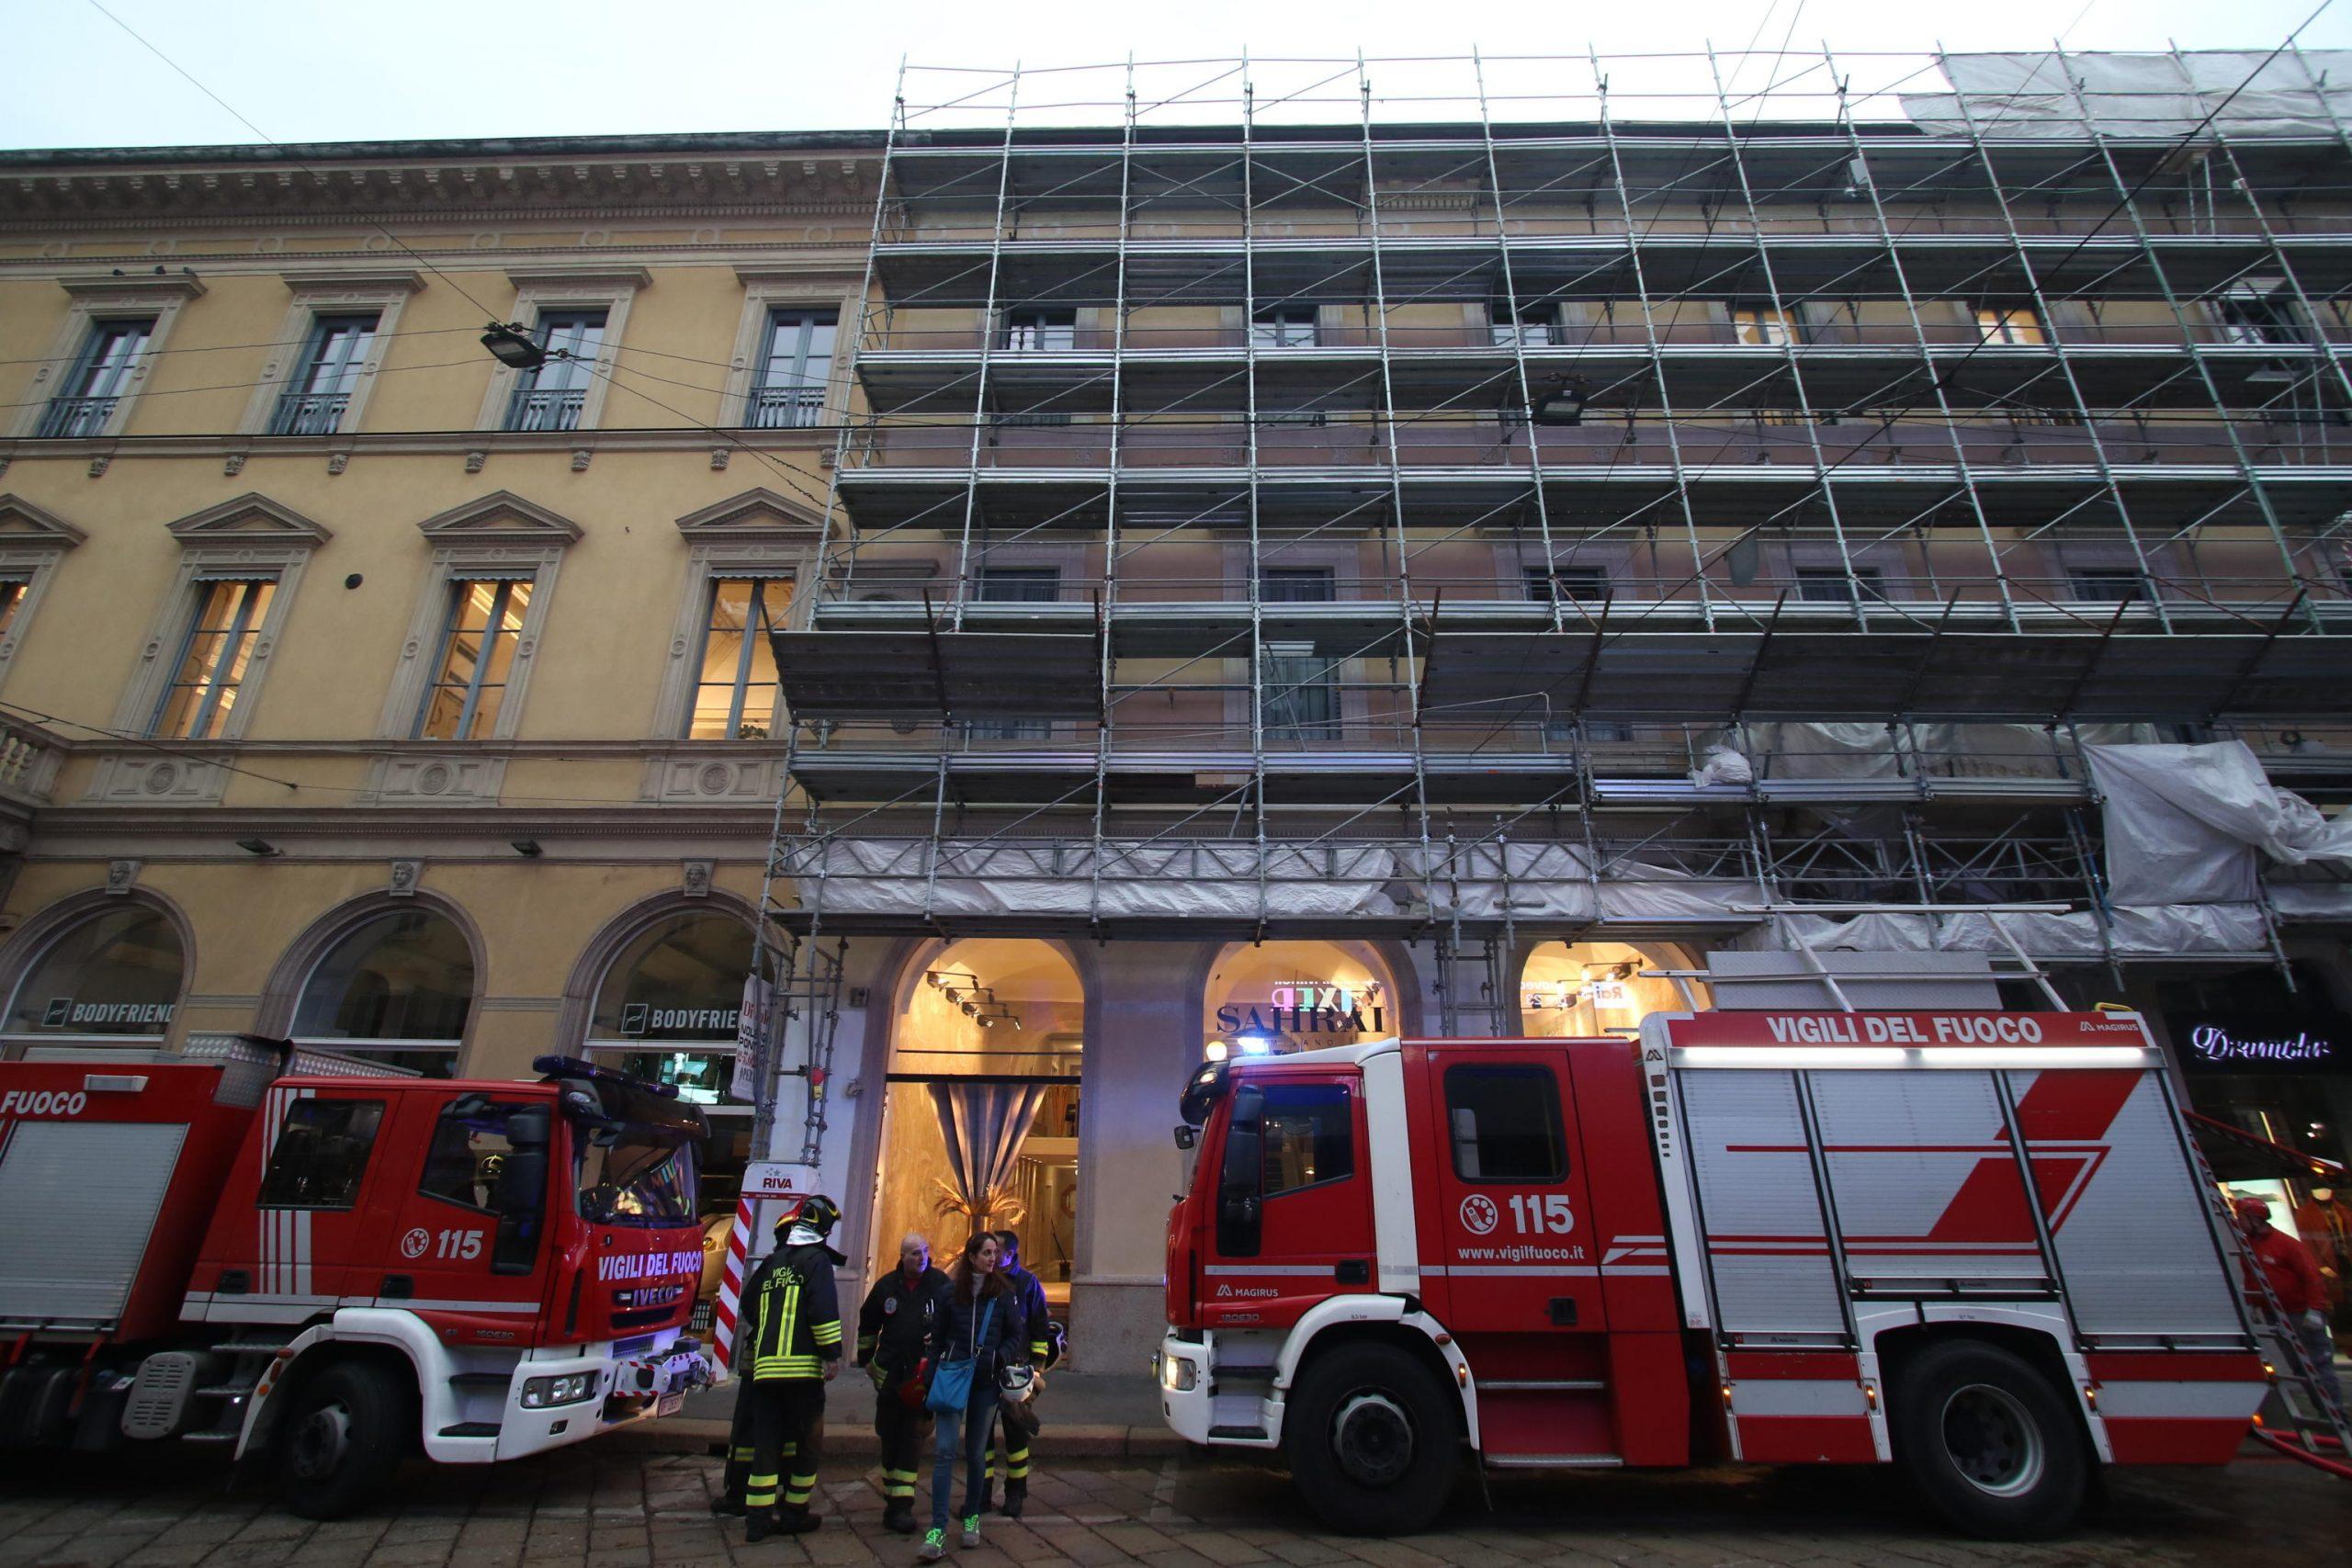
(1467, 498)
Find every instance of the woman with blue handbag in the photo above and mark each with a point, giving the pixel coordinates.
(979, 1331)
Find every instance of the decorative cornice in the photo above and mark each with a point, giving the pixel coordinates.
(758, 513)
(501, 517)
(22, 523)
(796, 274)
(584, 276)
(248, 517)
(478, 179)
(373, 279)
(679, 438)
(124, 286)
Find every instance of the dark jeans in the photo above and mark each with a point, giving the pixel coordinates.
(977, 1421)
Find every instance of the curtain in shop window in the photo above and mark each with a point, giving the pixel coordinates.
(984, 1125)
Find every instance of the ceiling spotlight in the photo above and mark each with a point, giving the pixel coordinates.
(527, 848)
(257, 847)
(511, 346)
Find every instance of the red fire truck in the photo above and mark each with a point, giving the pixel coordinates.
(1971, 1243)
(324, 1269)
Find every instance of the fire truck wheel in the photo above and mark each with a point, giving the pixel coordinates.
(1989, 1443)
(347, 1431)
(1371, 1439)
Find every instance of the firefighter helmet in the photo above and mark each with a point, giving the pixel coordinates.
(819, 1214)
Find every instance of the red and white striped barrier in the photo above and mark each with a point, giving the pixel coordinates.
(730, 1285)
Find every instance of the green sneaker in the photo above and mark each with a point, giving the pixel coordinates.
(934, 1546)
(971, 1529)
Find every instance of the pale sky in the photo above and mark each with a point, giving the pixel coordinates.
(346, 70)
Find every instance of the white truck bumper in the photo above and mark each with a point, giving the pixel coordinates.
(618, 1390)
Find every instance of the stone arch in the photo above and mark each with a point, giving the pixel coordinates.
(39, 934)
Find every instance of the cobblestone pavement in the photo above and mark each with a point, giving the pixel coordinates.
(614, 1506)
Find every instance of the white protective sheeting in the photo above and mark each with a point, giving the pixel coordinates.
(1938, 750)
(2311, 900)
(2138, 932)
(1196, 881)
(2184, 823)
(2026, 94)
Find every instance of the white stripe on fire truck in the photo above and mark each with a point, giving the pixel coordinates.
(1798, 1396)
(1552, 1270)
(2232, 1401)
(294, 1299)
(298, 1231)
(1239, 1270)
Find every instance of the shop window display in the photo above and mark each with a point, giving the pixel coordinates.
(1572, 990)
(980, 1125)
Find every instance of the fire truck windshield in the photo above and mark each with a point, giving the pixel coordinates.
(631, 1176)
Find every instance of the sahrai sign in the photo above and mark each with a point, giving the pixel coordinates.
(2225, 1048)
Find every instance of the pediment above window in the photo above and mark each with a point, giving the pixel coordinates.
(127, 287)
(250, 517)
(501, 518)
(760, 515)
(22, 523)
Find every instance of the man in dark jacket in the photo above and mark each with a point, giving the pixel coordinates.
(1030, 1291)
(789, 1339)
(900, 1313)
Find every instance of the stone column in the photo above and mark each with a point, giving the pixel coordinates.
(1143, 1040)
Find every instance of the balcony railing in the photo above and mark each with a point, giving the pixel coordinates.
(556, 408)
(784, 408)
(29, 756)
(309, 414)
(69, 418)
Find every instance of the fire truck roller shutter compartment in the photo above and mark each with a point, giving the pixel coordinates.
(1765, 1238)
(78, 1201)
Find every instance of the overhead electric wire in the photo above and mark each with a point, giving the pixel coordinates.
(243, 119)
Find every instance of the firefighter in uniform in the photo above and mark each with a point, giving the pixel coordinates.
(790, 1338)
(896, 1320)
(1030, 1291)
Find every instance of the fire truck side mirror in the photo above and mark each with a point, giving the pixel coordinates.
(1187, 1136)
(1241, 1178)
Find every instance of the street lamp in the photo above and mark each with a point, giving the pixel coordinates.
(511, 346)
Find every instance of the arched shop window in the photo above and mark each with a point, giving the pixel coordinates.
(1587, 988)
(666, 1010)
(111, 979)
(668, 1007)
(396, 988)
(981, 1118)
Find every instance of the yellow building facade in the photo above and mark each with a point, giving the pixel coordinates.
(356, 685)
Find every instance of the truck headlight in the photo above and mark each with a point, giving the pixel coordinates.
(542, 1393)
(1177, 1375)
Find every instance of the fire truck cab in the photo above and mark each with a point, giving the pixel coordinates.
(1967, 1241)
(327, 1269)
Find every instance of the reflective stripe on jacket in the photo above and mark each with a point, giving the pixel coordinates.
(792, 1318)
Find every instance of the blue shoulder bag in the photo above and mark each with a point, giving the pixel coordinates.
(951, 1382)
